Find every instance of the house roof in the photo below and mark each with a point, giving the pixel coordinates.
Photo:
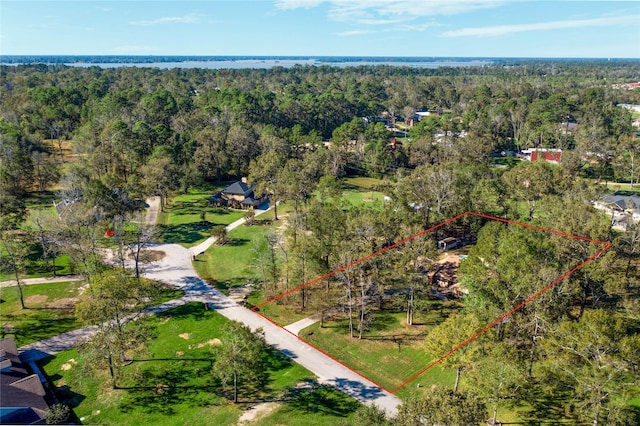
(22, 393)
(549, 157)
(623, 202)
(238, 188)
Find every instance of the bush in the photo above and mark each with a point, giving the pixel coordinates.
(219, 232)
(57, 414)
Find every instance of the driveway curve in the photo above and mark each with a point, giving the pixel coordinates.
(176, 270)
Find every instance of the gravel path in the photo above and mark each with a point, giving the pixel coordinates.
(44, 280)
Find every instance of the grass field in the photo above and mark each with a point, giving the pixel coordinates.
(49, 309)
(167, 388)
(361, 190)
(37, 268)
(233, 264)
(181, 222)
(389, 353)
(320, 405)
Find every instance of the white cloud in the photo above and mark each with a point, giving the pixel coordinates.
(501, 30)
(380, 21)
(372, 10)
(416, 27)
(186, 19)
(354, 33)
(297, 4)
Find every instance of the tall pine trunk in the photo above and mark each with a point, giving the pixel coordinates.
(458, 373)
(235, 387)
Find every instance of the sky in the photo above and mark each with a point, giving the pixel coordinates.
(418, 28)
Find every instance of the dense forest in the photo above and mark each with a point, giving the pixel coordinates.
(296, 132)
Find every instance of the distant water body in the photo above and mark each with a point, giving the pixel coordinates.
(239, 62)
(269, 63)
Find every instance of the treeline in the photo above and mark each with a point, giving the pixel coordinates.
(294, 132)
(212, 123)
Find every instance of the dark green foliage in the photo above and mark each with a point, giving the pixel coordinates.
(437, 406)
(240, 358)
(57, 414)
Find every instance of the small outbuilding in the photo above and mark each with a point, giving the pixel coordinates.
(448, 243)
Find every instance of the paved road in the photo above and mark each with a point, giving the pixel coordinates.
(177, 270)
(297, 326)
(152, 212)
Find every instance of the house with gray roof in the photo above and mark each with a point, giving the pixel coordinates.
(22, 398)
(238, 195)
(621, 208)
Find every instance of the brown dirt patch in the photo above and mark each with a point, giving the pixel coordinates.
(257, 412)
(150, 255)
(35, 299)
(68, 365)
(184, 336)
(212, 342)
(65, 303)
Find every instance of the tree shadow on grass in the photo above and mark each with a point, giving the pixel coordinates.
(236, 242)
(185, 233)
(68, 397)
(38, 327)
(320, 399)
(275, 360)
(194, 310)
(546, 408)
(159, 390)
(383, 322)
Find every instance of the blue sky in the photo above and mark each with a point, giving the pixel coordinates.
(450, 28)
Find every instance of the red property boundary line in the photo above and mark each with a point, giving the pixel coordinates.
(606, 246)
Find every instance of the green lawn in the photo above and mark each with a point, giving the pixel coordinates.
(49, 309)
(181, 222)
(167, 388)
(275, 311)
(365, 183)
(360, 190)
(390, 352)
(37, 268)
(320, 405)
(233, 263)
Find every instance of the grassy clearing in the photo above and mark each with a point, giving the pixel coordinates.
(182, 223)
(38, 268)
(276, 311)
(233, 263)
(361, 190)
(50, 310)
(320, 405)
(167, 388)
(41, 200)
(390, 351)
(365, 183)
